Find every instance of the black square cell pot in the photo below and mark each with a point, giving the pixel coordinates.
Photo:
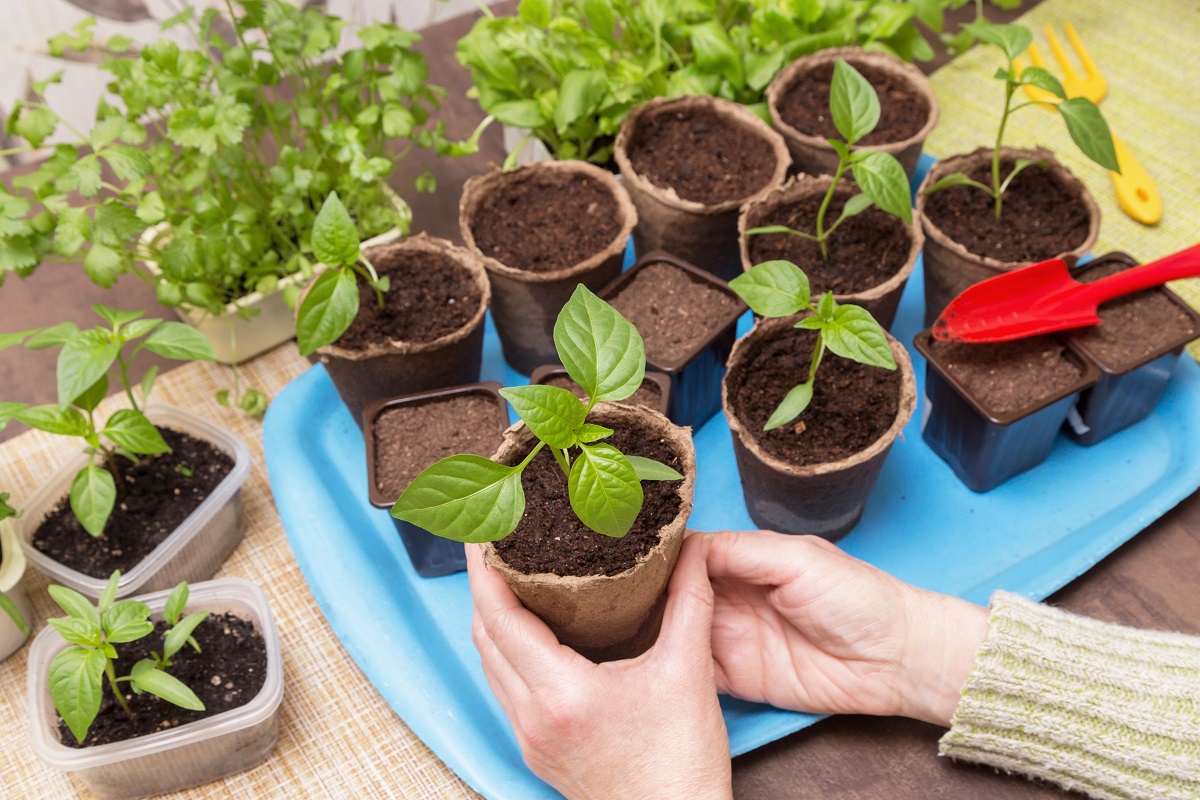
(695, 370)
(433, 556)
(1126, 394)
(984, 448)
(657, 384)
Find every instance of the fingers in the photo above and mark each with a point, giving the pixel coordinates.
(765, 558)
(687, 620)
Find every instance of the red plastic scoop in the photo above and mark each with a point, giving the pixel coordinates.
(1043, 298)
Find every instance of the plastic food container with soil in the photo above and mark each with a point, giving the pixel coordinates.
(192, 551)
(654, 393)
(688, 321)
(406, 434)
(541, 230)
(993, 411)
(1136, 345)
(181, 756)
(12, 574)
(815, 474)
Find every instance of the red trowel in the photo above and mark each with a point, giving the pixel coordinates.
(1043, 298)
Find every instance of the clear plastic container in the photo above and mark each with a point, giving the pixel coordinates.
(176, 758)
(12, 572)
(193, 552)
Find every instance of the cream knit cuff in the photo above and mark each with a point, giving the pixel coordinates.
(1109, 711)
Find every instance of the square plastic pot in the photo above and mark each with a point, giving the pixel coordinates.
(432, 556)
(175, 758)
(696, 375)
(12, 583)
(192, 552)
(986, 449)
(547, 372)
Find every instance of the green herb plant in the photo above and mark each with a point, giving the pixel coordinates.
(1083, 119)
(781, 289)
(78, 672)
(472, 499)
(87, 361)
(854, 106)
(6, 603)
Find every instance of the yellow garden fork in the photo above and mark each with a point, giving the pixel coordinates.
(1135, 190)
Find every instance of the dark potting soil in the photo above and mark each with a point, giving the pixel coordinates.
(673, 311)
(431, 295)
(703, 156)
(648, 394)
(1132, 327)
(543, 225)
(153, 499)
(903, 110)
(1009, 377)
(550, 538)
(410, 437)
(228, 672)
(1041, 218)
(852, 406)
(864, 251)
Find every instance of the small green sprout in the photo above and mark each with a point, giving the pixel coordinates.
(6, 603)
(185, 470)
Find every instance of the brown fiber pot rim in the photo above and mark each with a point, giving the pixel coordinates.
(518, 437)
(764, 330)
(803, 185)
(480, 187)
(884, 62)
(422, 243)
(736, 113)
(542, 374)
(964, 163)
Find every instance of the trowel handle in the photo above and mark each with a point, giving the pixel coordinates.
(1184, 264)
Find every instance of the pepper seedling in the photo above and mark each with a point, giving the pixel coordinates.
(84, 366)
(471, 499)
(1083, 119)
(77, 673)
(6, 603)
(854, 106)
(781, 289)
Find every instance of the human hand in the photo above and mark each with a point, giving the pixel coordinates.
(802, 625)
(647, 727)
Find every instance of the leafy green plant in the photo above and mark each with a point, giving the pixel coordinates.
(85, 364)
(854, 106)
(77, 673)
(6, 603)
(1083, 119)
(781, 289)
(472, 499)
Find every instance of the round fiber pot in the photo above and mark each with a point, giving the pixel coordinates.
(526, 298)
(810, 151)
(824, 499)
(606, 617)
(950, 267)
(390, 367)
(882, 298)
(701, 233)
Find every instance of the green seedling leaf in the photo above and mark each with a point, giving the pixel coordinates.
(553, 414)
(579, 94)
(1089, 130)
(148, 382)
(519, 113)
(84, 358)
(604, 489)
(75, 604)
(127, 621)
(535, 12)
(93, 495)
(334, 238)
(139, 328)
(1019, 166)
(780, 229)
(176, 602)
(9, 411)
(10, 608)
(601, 350)
(55, 336)
(773, 288)
(8, 340)
(852, 102)
(465, 498)
(647, 469)
(110, 592)
(77, 631)
(956, 179)
(327, 310)
(131, 430)
(92, 397)
(75, 687)
(168, 687)
(178, 636)
(857, 204)
(882, 179)
(588, 433)
(792, 406)
(1012, 39)
(1036, 76)
(180, 342)
(52, 419)
(114, 317)
(854, 334)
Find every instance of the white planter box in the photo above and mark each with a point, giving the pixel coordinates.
(12, 570)
(175, 758)
(193, 552)
(531, 152)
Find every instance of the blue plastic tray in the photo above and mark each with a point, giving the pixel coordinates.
(411, 635)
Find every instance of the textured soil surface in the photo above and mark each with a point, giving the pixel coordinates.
(902, 110)
(228, 672)
(154, 499)
(1041, 218)
(648, 394)
(852, 406)
(544, 226)
(1008, 377)
(551, 538)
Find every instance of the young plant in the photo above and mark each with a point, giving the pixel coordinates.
(77, 673)
(780, 289)
(854, 106)
(472, 499)
(89, 358)
(6, 603)
(1083, 119)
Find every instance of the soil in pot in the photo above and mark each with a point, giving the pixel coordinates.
(903, 111)
(157, 495)
(648, 394)
(228, 672)
(1008, 377)
(550, 538)
(704, 157)
(1041, 217)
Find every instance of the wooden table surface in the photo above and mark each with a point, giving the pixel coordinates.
(1149, 582)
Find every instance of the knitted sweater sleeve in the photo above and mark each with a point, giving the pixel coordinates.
(1109, 711)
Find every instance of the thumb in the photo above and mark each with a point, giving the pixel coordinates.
(687, 620)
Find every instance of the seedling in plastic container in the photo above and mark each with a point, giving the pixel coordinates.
(780, 289)
(6, 603)
(471, 499)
